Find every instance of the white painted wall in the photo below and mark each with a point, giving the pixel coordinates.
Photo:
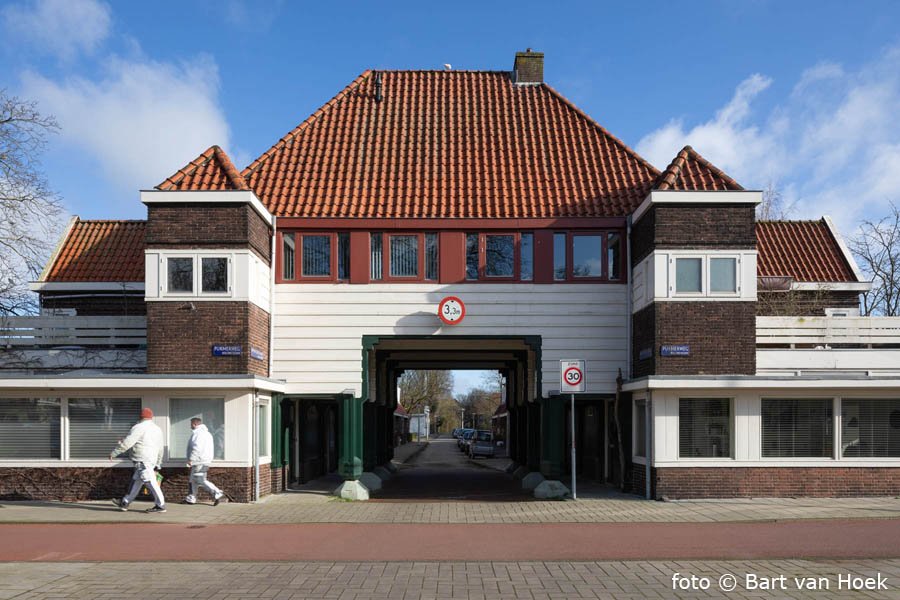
(319, 327)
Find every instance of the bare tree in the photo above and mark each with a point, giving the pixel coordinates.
(877, 248)
(479, 404)
(420, 388)
(29, 209)
(773, 206)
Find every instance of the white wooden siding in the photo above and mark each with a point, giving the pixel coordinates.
(319, 327)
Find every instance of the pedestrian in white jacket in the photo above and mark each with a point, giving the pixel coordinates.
(145, 441)
(200, 452)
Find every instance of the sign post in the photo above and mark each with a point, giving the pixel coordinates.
(571, 380)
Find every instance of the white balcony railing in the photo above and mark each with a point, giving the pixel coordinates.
(812, 332)
(48, 332)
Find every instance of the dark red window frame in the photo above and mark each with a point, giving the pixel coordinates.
(604, 256)
(298, 258)
(386, 276)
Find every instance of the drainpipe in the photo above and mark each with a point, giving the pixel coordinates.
(272, 263)
(255, 441)
(648, 442)
(629, 308)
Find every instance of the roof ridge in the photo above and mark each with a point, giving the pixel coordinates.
(215, 153)
(289, 136)
(696, 156)
(598, 126)
(674, 171)
(112, 220)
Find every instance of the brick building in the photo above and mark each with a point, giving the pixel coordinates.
(455, 219)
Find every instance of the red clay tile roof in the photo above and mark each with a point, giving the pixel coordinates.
(690, 171)
(449, 144)
(103, 251)
(212, 170)
(804, 250)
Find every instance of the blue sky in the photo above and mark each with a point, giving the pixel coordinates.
(802, 94)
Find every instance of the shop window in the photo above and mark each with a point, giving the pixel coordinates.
(431, 256)
(723, 275)
(316, 255)
(181, 410)
(688, 275)
(97, 424)
(288, 250)
(214, 275)
(526, 257)
(560, 269)
(30, 428)
(376, 256)
(870, 428)
(640, 429)
(704, 428)
(404, 256)
(472, 256)
(180, 275)
(794, 428)
(499, 255)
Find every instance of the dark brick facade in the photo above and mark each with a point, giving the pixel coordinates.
(180, 340)
(803, 303)
(775, 482)
(99, 483)
(643, 333)
(207, 226)
(96, 305)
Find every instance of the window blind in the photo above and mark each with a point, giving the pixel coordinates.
(704, 428)
(404, 256)
(870, 428)
(97, 424)
(316, 255)
(288, 256)
(29, 428)
(376, 264)
(797, 427)
(431, 256)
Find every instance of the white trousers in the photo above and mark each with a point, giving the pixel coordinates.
(144, 475)
(199, 480)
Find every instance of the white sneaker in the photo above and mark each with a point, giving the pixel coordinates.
(218, 497)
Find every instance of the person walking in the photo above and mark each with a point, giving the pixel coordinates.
(145, 441)
(200, 451)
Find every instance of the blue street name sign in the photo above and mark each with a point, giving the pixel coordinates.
(257, 353)
(223, 350)
(675, 350)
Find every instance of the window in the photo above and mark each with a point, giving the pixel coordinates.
(376, 260)
(526, 257)
(30, 428)
(431, 256)
(499, 255)
(316, 255)
(723, 275)
(181, 410)
(97, 424)
(704, 428)
(343, 255)
(471, 256)
(640, 428)
(587, 255)
(262, 432)
(180, 275)
(404, 256)
(870, 428)
(688, 275)
(560, 270)
(614, 256)
(287, 254)
(214, 272)
(797, 428)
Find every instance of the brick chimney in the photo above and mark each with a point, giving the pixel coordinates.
(528, 67)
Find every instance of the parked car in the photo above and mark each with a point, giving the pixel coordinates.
(464, 438)
(482, 444)
(455, 432)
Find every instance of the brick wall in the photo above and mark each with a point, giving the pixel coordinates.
(180, 340)
(722, 337)
(762, 482)
(207, 226)
(705, 226)
(106, 304)
(99, 483)
(643, 235)
(803, 303)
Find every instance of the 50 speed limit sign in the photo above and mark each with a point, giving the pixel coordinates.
(451, 310)
(571, 376)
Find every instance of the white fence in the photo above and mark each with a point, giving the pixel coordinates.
(43, 332)
(866, 332)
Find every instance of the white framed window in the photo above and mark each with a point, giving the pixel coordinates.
(263, 427)
(689, 275)
(705, 428)
(870, 427)
(197, 275)
(97, 424)
(31, 429)
(182, 410)
(705, 275)
(797, 428)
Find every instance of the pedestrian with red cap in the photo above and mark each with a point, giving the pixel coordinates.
(145, 441)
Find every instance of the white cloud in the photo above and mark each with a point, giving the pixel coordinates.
(61, 27)
(141, 120)
(831, 145)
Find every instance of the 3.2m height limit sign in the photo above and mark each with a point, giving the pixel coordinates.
(571, 381)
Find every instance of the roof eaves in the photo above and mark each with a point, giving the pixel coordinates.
(845, 251)
(54, 256)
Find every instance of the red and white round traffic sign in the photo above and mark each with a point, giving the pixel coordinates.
(451, 310)
(573, 376)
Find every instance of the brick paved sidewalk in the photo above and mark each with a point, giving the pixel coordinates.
(317, 508)
(426, 580)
